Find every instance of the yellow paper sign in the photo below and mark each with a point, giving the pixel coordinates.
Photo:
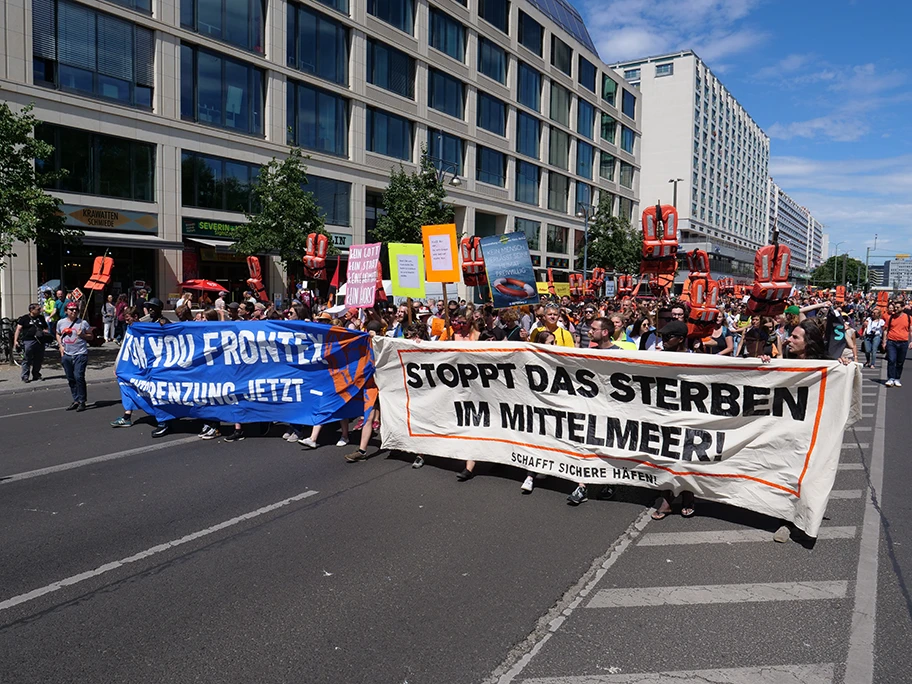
(407, 270)
(560, 289)
(441, 260)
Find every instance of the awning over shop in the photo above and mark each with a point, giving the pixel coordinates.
(127, 240)
(206, 242)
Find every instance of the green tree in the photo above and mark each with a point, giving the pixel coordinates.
(286, 214)
(829, 273)
(412, 200)
(613, 244)
(27, 212)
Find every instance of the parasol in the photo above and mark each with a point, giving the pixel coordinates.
(207, 285)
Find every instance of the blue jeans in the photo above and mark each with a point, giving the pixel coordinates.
(34, 355)
(871, 345)
(896, 357)
(75, 369)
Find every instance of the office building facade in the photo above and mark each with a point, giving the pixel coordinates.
(701, 145)
(163, 111)
(897, 274)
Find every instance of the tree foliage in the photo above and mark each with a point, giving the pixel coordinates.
(824, 275)
(412, 200)
(27, 212)
(613, 244)
(286, 214)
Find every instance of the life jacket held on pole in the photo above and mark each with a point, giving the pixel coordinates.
(704, 295)
(576, 285)
(625, 285)
(596, 281)
(551, 289)
(771, 288)
(315, 256)
(255, 281)
(660, 240)
(473, 265)
(101, 273)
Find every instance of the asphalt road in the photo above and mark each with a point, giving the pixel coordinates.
(178, 560)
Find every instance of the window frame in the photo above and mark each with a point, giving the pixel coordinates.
(521, 166)
(499, 179)
(391, 52)
(522, 21)
(480, 97)
(371, 115)
(493, 49)
(522, 68)
(408, 25)
(589, 68)
(447, 79)
(292, 101)
(521, 116)
(253, 172)
(295, 61)
(251, 46)
(555, 194)
(446, 19)
(557, 55)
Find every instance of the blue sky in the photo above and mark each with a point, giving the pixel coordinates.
(829, 81)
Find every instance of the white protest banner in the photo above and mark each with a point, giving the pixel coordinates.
(765, 437)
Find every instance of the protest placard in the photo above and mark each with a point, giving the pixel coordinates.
(441, 259)
(361, 276)
(509, 269)
(761, 436)
(407, 270)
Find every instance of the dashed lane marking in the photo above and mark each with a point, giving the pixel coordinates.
(639, 597)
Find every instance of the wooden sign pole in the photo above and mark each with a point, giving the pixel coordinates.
(446, 312)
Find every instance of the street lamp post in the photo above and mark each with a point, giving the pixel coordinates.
(836, 261)
(674, 199)
(868, 254)
(585, 211)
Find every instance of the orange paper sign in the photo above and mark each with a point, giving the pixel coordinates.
(440, 256)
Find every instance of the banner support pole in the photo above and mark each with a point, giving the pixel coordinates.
(446, 311)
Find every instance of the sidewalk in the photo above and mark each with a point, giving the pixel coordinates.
(100, 369)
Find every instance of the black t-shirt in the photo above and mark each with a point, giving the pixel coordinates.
(31, 327)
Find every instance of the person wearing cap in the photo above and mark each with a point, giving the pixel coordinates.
(31, 330)
(234, 311)
(154, 308)
(220, 300)
(248, 297)
(324, 317)
(73, 336)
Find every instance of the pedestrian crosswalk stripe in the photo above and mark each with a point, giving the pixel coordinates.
(851, 466)
(732, 536)
(770, 674)
(638, 597)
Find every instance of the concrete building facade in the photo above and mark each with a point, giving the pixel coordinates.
(897, 274)
(701, 145)
(164, 110)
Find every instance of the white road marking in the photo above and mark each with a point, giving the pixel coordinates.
(733, 536)
(6, 479)
(108, 567)
(851, 466)
(32, 413)
(772, 674)
(637, 597)
(860, 428)
(860, 660)
(846, 494)
(860, 445)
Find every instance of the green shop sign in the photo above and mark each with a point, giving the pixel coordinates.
(208, 228)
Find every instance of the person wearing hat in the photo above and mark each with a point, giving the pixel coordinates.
(154, 308)
(234, 311)
(73, 336)
(31, 330)
(324, 317)
(220, 301)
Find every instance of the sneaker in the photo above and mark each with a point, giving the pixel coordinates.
(308, 442)
(606, 493)
(81, 407)
(465, 475)
(292, 437)
(73, 406)
(897, 383)
(783, 534)
(160, 430)
(212, 434)
(123, 421)
(356, 456)
(891, 382)
(236, 436)
(286, 435)
(528, 484)
(343, 441)
(578, 496)
(205, 431)
(418, 462)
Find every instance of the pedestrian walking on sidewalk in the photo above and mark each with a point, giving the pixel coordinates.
(73, 336)
(32, 332)
(108, 318)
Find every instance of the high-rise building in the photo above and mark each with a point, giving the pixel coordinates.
(702, 150)
(897, 274)
(163, 111)
(816, 251)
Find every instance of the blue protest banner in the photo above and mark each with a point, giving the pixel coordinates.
(509, 268)
(245, 372)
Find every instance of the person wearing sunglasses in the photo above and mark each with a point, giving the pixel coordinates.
(73, 337)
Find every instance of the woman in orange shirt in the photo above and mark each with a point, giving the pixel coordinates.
(898, 341)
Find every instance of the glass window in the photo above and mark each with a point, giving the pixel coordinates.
(584, 158)
(446, 94)
(492, 60)
(446, 34)
(527, 178)
(317, 119)
(625, 209)
(532, 231)
(528, 83)
(339, 5)
(583, 194)
(490, 166)
(557, 240)
(558, 190)
(626, 175)
(75, 48)
(492, 114)
(495, 12)
(609, 90)
(628, 104)
(560, 104)
(317, 44)
(531, 33)
(445, 150)
(216, 183)
(333, 197)
(665, 69)
(585, 118)
(606, 166)
(559, 149)
(632, 74)
(389, 134)
(225, 93)
(100, 164)
(138, 5)
(586, 75)
(390, 69)
(627, 138)
(398, 13)
(238, 22)
(561, 55)
(528, 135)
(609, 126)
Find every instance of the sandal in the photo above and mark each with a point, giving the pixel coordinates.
(688, 511)
(660, 515)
